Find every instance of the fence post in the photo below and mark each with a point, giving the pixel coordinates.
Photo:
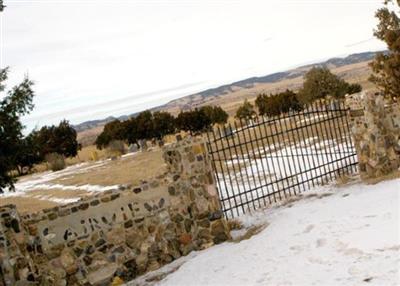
(376, 134)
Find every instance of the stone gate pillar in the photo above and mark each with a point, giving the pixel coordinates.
(376, 134)
(194, 191)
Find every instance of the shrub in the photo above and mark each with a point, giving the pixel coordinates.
(354, 88)
(56, 161)
(116, 148)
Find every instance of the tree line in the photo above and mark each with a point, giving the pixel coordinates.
(149, 125)
(319, 83)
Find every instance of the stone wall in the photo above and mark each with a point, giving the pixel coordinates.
(376, 133)
(117, 235)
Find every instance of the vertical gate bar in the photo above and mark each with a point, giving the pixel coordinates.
(270, 152)
(346, 134)
(294, 157)
(234, 170)
(240, 145)
(221, 157)
(248, 155)
(230, 193)
(260, 137)
(325, 135)
(284, 168)
(305, 133)
(215, 171)
(332, 130)
(324, 154)
(222, 172)
(329, 122)
(328, 154)
(316, 123)
(344, 154)
(297, 130)
(260, 160)
(291, 186)
(354, 169)
(314, 130)
(251, 140)
(240, 168)
(336, 123)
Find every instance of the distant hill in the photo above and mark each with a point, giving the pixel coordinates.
(193, 100)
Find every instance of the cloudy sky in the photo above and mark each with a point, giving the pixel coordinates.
(92, 58)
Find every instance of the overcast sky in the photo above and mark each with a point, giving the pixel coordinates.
(93, 59)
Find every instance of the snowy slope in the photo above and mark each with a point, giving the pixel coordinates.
(347, 236)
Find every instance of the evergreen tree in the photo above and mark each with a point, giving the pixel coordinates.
(61, 139)
(163, 124)
(320, 82)
(15, 104)
(145, 125)
(246, 111)
(130, 129)
(194, 121)
(28, 154)
(277, 104)
(216, 114)
(386, 66)
(113, 130)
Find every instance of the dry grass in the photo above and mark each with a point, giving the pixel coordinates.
(128, 170)
(88, 153)
(235, 224)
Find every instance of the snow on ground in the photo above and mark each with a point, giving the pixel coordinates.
(332, 236)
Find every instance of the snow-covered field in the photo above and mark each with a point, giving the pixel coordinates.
(331, 236)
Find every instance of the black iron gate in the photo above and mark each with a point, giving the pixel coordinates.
(264, 160)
